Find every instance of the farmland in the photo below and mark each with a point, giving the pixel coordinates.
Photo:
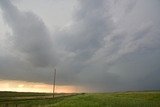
(115, 99)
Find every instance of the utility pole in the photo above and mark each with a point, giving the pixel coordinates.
(54, 81)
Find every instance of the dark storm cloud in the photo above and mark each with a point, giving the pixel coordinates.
(30, 35)
(85, 36)
(110, 45)
(32, 57)
(12, 68)
(98, 46)
(92, 23)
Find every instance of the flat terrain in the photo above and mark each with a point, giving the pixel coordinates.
(117, 99)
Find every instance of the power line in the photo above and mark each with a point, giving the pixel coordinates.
(54, 82)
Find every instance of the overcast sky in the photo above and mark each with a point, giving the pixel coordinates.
(104, 45)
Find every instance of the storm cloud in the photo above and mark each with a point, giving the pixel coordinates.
(30, 35)
(110, 45)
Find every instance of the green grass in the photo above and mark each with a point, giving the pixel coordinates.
(123, 99)
(131, 99)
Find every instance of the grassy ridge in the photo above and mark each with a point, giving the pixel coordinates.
(21, 94)
(9, 96)
(124, 99)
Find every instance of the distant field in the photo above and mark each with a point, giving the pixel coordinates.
(123, 99)
(19, 96)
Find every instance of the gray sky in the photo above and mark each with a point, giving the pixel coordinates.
(104, 45)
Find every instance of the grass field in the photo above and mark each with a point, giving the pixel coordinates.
(123, 99)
